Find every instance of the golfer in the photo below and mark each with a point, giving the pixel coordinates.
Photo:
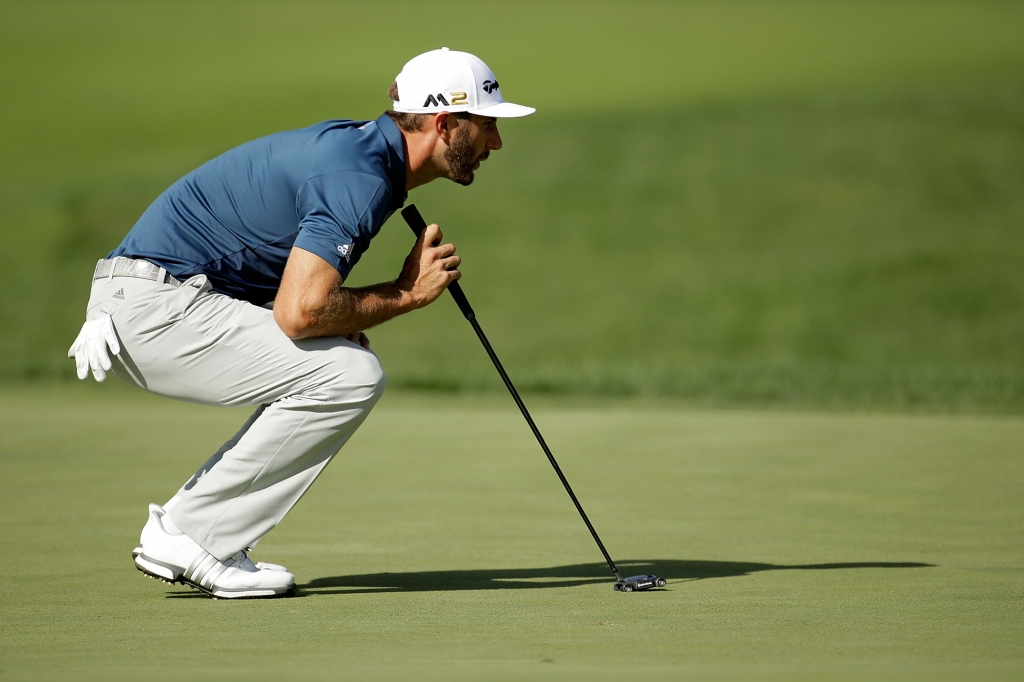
(182, 305)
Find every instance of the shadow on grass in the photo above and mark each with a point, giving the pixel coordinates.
(558, 576)
(674, 570)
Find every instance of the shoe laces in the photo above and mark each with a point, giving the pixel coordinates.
(241, 560)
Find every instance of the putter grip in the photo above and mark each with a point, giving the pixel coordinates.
(418, 224)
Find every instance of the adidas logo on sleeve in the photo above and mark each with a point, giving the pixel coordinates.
(119, 294)
(346, 251)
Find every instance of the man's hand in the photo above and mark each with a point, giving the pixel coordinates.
(90, 348)
(429, 268)
(312, 302)
(360, 338)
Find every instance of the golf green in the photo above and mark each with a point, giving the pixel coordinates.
(439, 544)
(748, 202)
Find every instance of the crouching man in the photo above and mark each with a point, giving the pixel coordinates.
(179, 308)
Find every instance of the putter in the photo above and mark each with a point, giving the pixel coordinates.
(633, 583)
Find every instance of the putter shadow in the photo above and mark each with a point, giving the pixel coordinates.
(560, 576)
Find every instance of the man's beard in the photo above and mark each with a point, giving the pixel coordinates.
(461, 156)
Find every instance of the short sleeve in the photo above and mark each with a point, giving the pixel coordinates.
(339, 213)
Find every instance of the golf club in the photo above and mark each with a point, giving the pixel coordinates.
(640, 582)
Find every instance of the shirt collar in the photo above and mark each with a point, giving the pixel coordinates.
(396, 157)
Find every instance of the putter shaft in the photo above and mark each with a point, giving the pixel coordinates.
(418, 224)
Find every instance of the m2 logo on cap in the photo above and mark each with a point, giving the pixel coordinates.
(490, 86)
(346, 251)
(457, 99)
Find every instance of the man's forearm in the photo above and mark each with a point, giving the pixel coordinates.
(348, 310)
(311, 300)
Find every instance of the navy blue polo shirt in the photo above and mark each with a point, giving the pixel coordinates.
(327, 189)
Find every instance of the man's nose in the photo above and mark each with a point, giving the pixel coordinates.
(494, 142)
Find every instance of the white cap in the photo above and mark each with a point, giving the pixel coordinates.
(446, 80)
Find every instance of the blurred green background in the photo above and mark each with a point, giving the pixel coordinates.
(798, 203)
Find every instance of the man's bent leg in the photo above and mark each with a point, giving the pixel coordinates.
(191, 344)
(216, 457)
(256, 482)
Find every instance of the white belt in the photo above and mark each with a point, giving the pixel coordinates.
(129, 267)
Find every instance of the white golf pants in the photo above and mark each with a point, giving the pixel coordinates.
(193, 344)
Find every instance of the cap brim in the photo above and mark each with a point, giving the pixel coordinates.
(504, 110)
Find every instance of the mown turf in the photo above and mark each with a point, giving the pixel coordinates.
(838, 250)
(440, 545)
(729, 202)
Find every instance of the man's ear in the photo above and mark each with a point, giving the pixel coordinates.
(445, 125)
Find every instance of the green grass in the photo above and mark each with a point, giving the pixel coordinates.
(439, 544)
(843, 249)
(736, 203)
(760, 203)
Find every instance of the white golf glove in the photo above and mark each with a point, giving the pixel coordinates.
(90, 348)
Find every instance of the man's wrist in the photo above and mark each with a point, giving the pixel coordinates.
(407, 299)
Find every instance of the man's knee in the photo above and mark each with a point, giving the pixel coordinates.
(375, 377)
(359, 378)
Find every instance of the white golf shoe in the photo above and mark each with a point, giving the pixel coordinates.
(170, 555)
(155, 514)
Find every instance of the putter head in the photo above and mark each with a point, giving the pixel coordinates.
(637, 583)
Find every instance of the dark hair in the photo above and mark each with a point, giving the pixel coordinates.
(412, 123)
